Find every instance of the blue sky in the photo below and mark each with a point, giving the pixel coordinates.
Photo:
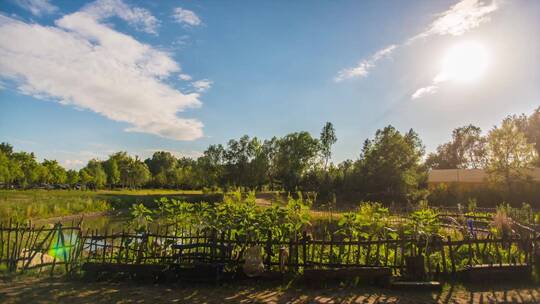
(82, 79)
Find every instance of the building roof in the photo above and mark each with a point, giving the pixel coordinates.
(467, 175)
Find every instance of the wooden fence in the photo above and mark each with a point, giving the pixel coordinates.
(64, 249)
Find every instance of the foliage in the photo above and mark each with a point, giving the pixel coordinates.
(390, 165)
(423, 222)
(502, 223)
(140, 217)
(389, 169)
(370, 220)
(466, 150)
(237, 214)
(327, 139)
(510, 155)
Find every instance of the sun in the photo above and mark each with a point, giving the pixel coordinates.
(464, 62)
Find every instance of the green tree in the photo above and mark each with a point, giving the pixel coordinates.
(6, 170)
(29, 172)
(327, 139)
(72, 178)
(390, 165)
(296, 153)
(123, 161)
(210, 167)
(113, 172)
(6, 148)
(56, 174)
(510, 155)
(139, 174)
(161, 166)
(93, 175)
(465, 151)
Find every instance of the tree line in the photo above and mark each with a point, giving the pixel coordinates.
(391, 167)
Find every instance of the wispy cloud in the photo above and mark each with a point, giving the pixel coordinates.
(432, 89)
(460, 18)
(363, 67)
(37, 7)
(457, 20)
(184, 16)
(138, 17)
(202, 85)
(185, 77)
(86, 64)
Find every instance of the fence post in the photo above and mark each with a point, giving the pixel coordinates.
(443, 256)
(64, 253)
(268, 249)
(451, 252)
(214, 245)
(142, 246)
(304, 249)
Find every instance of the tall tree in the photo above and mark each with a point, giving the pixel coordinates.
(510, 155)
(93, 175)
(72, 178)
(55, 174)
(466, 150)
(139, 173)
(6, 148)
(390, 165)
(161, 166)
(113, 172)
(327, 139)
(296, 154)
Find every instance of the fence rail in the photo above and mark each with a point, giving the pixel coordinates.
(64, 249)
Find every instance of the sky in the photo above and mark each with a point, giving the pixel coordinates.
(83, 79)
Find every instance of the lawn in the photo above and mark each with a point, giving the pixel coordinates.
(22, 205)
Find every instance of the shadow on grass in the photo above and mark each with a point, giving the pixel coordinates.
(74, 291)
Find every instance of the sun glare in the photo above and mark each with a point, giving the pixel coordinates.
(464, 62)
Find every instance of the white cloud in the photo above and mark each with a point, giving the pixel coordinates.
(185, 77)
(202, 85)
(74, 163)
(37, 7)
(88, 65)
(458, 19)
(138, 17)
(185, 16)
(432, 89)
(363, 67)
(178, 154)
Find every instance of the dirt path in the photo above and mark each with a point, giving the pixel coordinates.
(48, 290)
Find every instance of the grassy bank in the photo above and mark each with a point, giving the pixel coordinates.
(22, 205)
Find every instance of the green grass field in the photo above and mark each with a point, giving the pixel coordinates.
(22, 205)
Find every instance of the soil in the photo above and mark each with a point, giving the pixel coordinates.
(74, 291)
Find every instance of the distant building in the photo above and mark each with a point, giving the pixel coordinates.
(468, 176)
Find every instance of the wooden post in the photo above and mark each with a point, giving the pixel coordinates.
(304, 249)
(1, 242)
(56, 227)
(368, 251)
(142, 246)
(358, 251)
(470, 251)
(443, 257)
(451, 252)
